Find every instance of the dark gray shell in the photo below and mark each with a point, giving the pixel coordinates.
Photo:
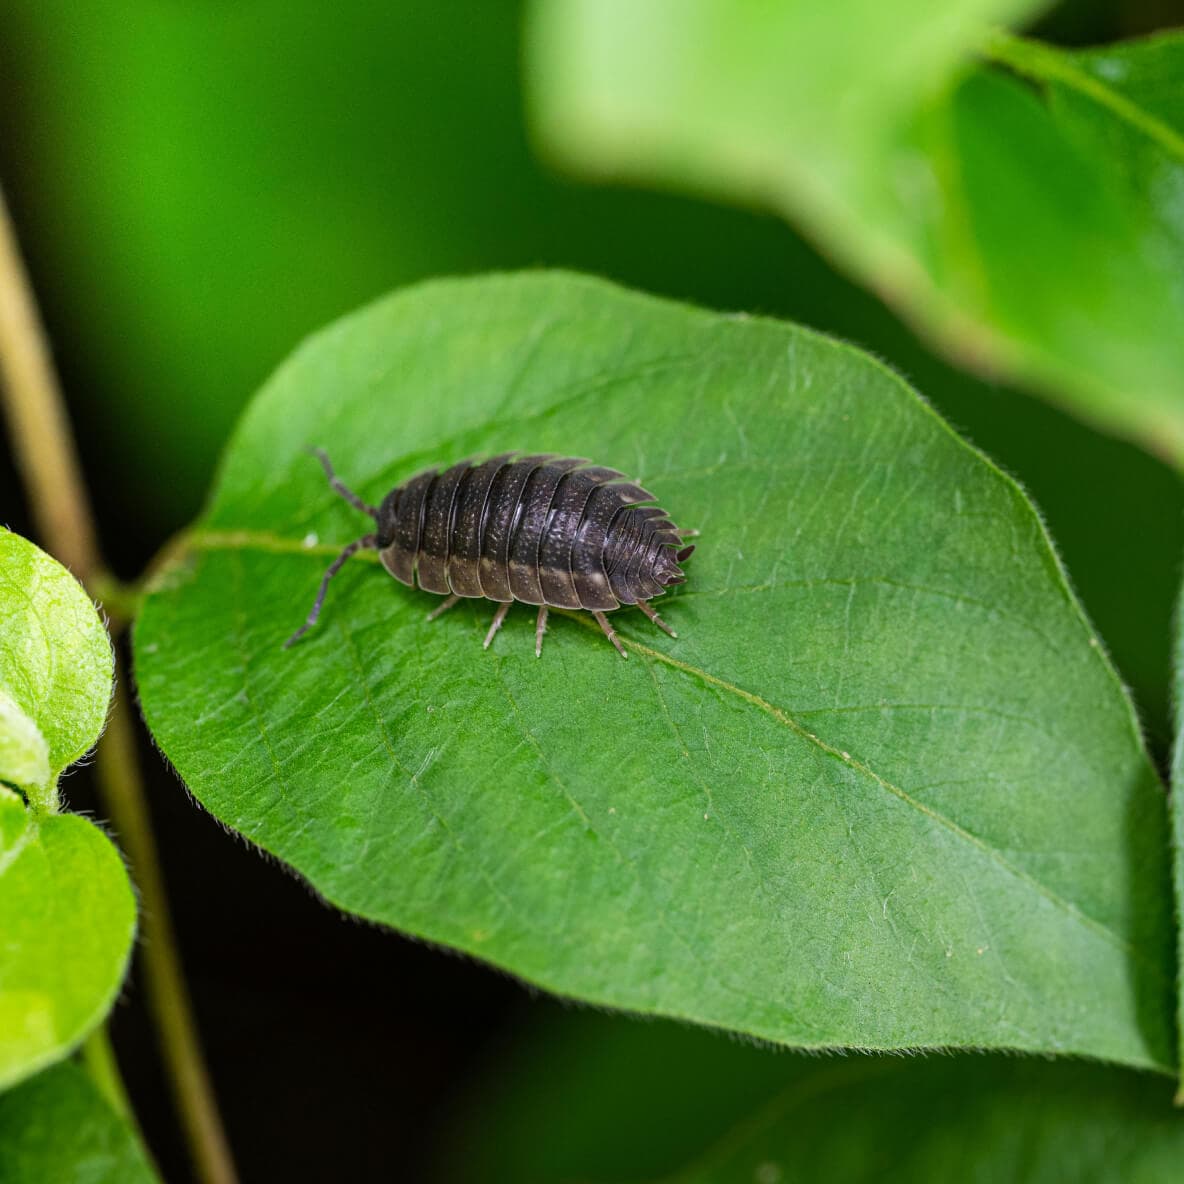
(545, 530)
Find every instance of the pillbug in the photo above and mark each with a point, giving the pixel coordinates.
(554, 531)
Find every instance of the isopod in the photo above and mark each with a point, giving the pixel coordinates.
(557, 532)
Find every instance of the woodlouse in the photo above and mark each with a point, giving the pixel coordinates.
(554, 531)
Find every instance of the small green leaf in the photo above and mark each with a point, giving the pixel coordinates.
(58, 1128)
(67, 917)
(594, 1099)
(67, 914)
(55, 669)
(885, 790)
(1030, 225)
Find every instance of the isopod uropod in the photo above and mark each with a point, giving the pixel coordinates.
(554, 531)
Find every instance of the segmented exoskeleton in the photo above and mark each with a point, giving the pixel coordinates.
(554, 531)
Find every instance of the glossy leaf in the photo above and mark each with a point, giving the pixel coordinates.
(1028, 219)
(57, 1127)
(594, 1099)
(67, 914)
(885, 790)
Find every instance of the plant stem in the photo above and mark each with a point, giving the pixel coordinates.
(41, 437)
(45, 453)
(168, 996)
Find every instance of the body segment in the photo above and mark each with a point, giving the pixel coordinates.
(545, 530)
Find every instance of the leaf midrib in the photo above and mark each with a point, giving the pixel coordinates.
(271, 543)
(784, 718)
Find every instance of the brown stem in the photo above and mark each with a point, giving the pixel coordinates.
(168, 996)
(46, 457)
(41, 437)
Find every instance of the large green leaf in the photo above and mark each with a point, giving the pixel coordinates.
(67, 914)
(1030, 225)
(589, 1098)
(885, 790)
(58, 1129)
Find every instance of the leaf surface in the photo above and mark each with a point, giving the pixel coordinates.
(1029, 219)
(885, 774)
(57, 1127)
(67, 917)
(67, 914)
(56, 669)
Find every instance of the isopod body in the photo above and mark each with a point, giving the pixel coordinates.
(557, 532)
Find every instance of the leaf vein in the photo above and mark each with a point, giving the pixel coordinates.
(861, 767)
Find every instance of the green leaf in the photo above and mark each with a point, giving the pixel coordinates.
(1029, 225)
(55, 669)
(578, 1095)
(885, 790)
(1038, 1123)
(596, 1099)
(57, 1127)
(67, 917)
(67, 914)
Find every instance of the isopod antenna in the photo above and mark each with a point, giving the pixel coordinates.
(368, 540)
(339, 486)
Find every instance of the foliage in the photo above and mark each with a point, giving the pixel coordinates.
(66, 909)
(1028, 218)
(57, 1127)
(827, 815)
(886, 790)
(583, 1097)
(224, 202)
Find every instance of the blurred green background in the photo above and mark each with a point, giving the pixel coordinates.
(198, 185)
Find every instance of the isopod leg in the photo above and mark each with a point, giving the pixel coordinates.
(498, 618)
(609, 632)
(539, 629)
(443, 608)
(687, 534)
(644, 605)
(330, 572)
